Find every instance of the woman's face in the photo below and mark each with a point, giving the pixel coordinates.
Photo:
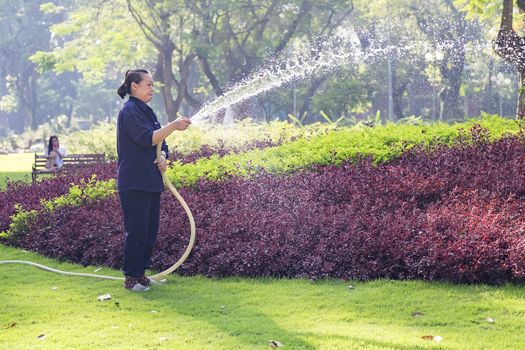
(54, 142)
(143, 90)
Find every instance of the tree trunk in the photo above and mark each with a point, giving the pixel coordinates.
(34, 100)
(450, 93)
(209, 74)
(488, 94)
(164, 75)
(27, 88)
(511, 47)
(397, 97)
(452, 30)
(520, 108)
(184, 73)
(69, 113)
(192, 104)
(307, 101)
(398, 89)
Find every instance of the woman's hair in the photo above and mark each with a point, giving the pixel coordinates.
(50, 143)
(132, 76)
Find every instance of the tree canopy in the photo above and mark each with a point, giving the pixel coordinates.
(431, 59)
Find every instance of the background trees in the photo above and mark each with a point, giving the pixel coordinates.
(425, 58)
(24, 29)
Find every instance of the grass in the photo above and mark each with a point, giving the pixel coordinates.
(16, 166)
(17, 162)
(239, 313)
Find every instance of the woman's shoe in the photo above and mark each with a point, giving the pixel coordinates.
(133, 284)
(145, 281)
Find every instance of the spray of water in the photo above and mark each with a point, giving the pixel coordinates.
(295, 67)
(337, 53)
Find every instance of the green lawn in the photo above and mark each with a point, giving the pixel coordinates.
(16, 162)
(16, 166)
(238, 313)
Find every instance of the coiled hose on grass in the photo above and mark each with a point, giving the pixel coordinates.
(156, 278)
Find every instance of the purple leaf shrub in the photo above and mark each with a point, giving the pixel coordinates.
(29, 196)
(450, 213)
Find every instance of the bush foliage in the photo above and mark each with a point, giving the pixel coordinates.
(381, 143)
(21, 197)
(315, 147)
(446, 213)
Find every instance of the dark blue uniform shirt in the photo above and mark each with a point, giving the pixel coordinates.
(136, 170)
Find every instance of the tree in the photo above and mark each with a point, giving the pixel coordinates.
(511, 47)
(164, 24)
(508, 44)
(389, 33)
(90, 49)
(25, 29)
(233, 39)
(228, 40)
(448, 32)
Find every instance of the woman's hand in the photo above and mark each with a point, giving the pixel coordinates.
(178, 124)
(182, 123)
(162, 164)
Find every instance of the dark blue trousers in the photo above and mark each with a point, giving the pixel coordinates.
(141, 222)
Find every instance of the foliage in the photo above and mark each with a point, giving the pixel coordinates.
(447, 213)
(25, 29)
(20, 197)
(23, 195)
(101, 138)
(110, 54)
(217, 45)
(19, 224)
(343, 95)
(79, 194)
(381, 143)
(485, 10)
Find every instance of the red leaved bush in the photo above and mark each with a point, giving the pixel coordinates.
(29, 196)
(450, 213)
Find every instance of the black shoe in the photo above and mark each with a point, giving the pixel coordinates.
(133, 284)
(145, 281)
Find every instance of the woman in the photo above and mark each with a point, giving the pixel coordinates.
(139, 179)
(54, 154)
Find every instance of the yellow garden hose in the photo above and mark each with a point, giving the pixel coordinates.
(182, 202)
(156, 278)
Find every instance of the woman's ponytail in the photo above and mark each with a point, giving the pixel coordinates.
(132, 76)
(123, 90)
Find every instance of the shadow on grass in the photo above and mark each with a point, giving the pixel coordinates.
(225, 309)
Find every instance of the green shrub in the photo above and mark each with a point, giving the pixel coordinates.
(381, 143)
(19, 224)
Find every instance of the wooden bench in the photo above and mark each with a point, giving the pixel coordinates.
(72, 162)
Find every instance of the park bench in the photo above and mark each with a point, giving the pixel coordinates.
(72, 163)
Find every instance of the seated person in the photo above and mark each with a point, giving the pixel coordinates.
(54, 154)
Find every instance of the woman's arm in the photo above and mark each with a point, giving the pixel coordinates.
(162, 133)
